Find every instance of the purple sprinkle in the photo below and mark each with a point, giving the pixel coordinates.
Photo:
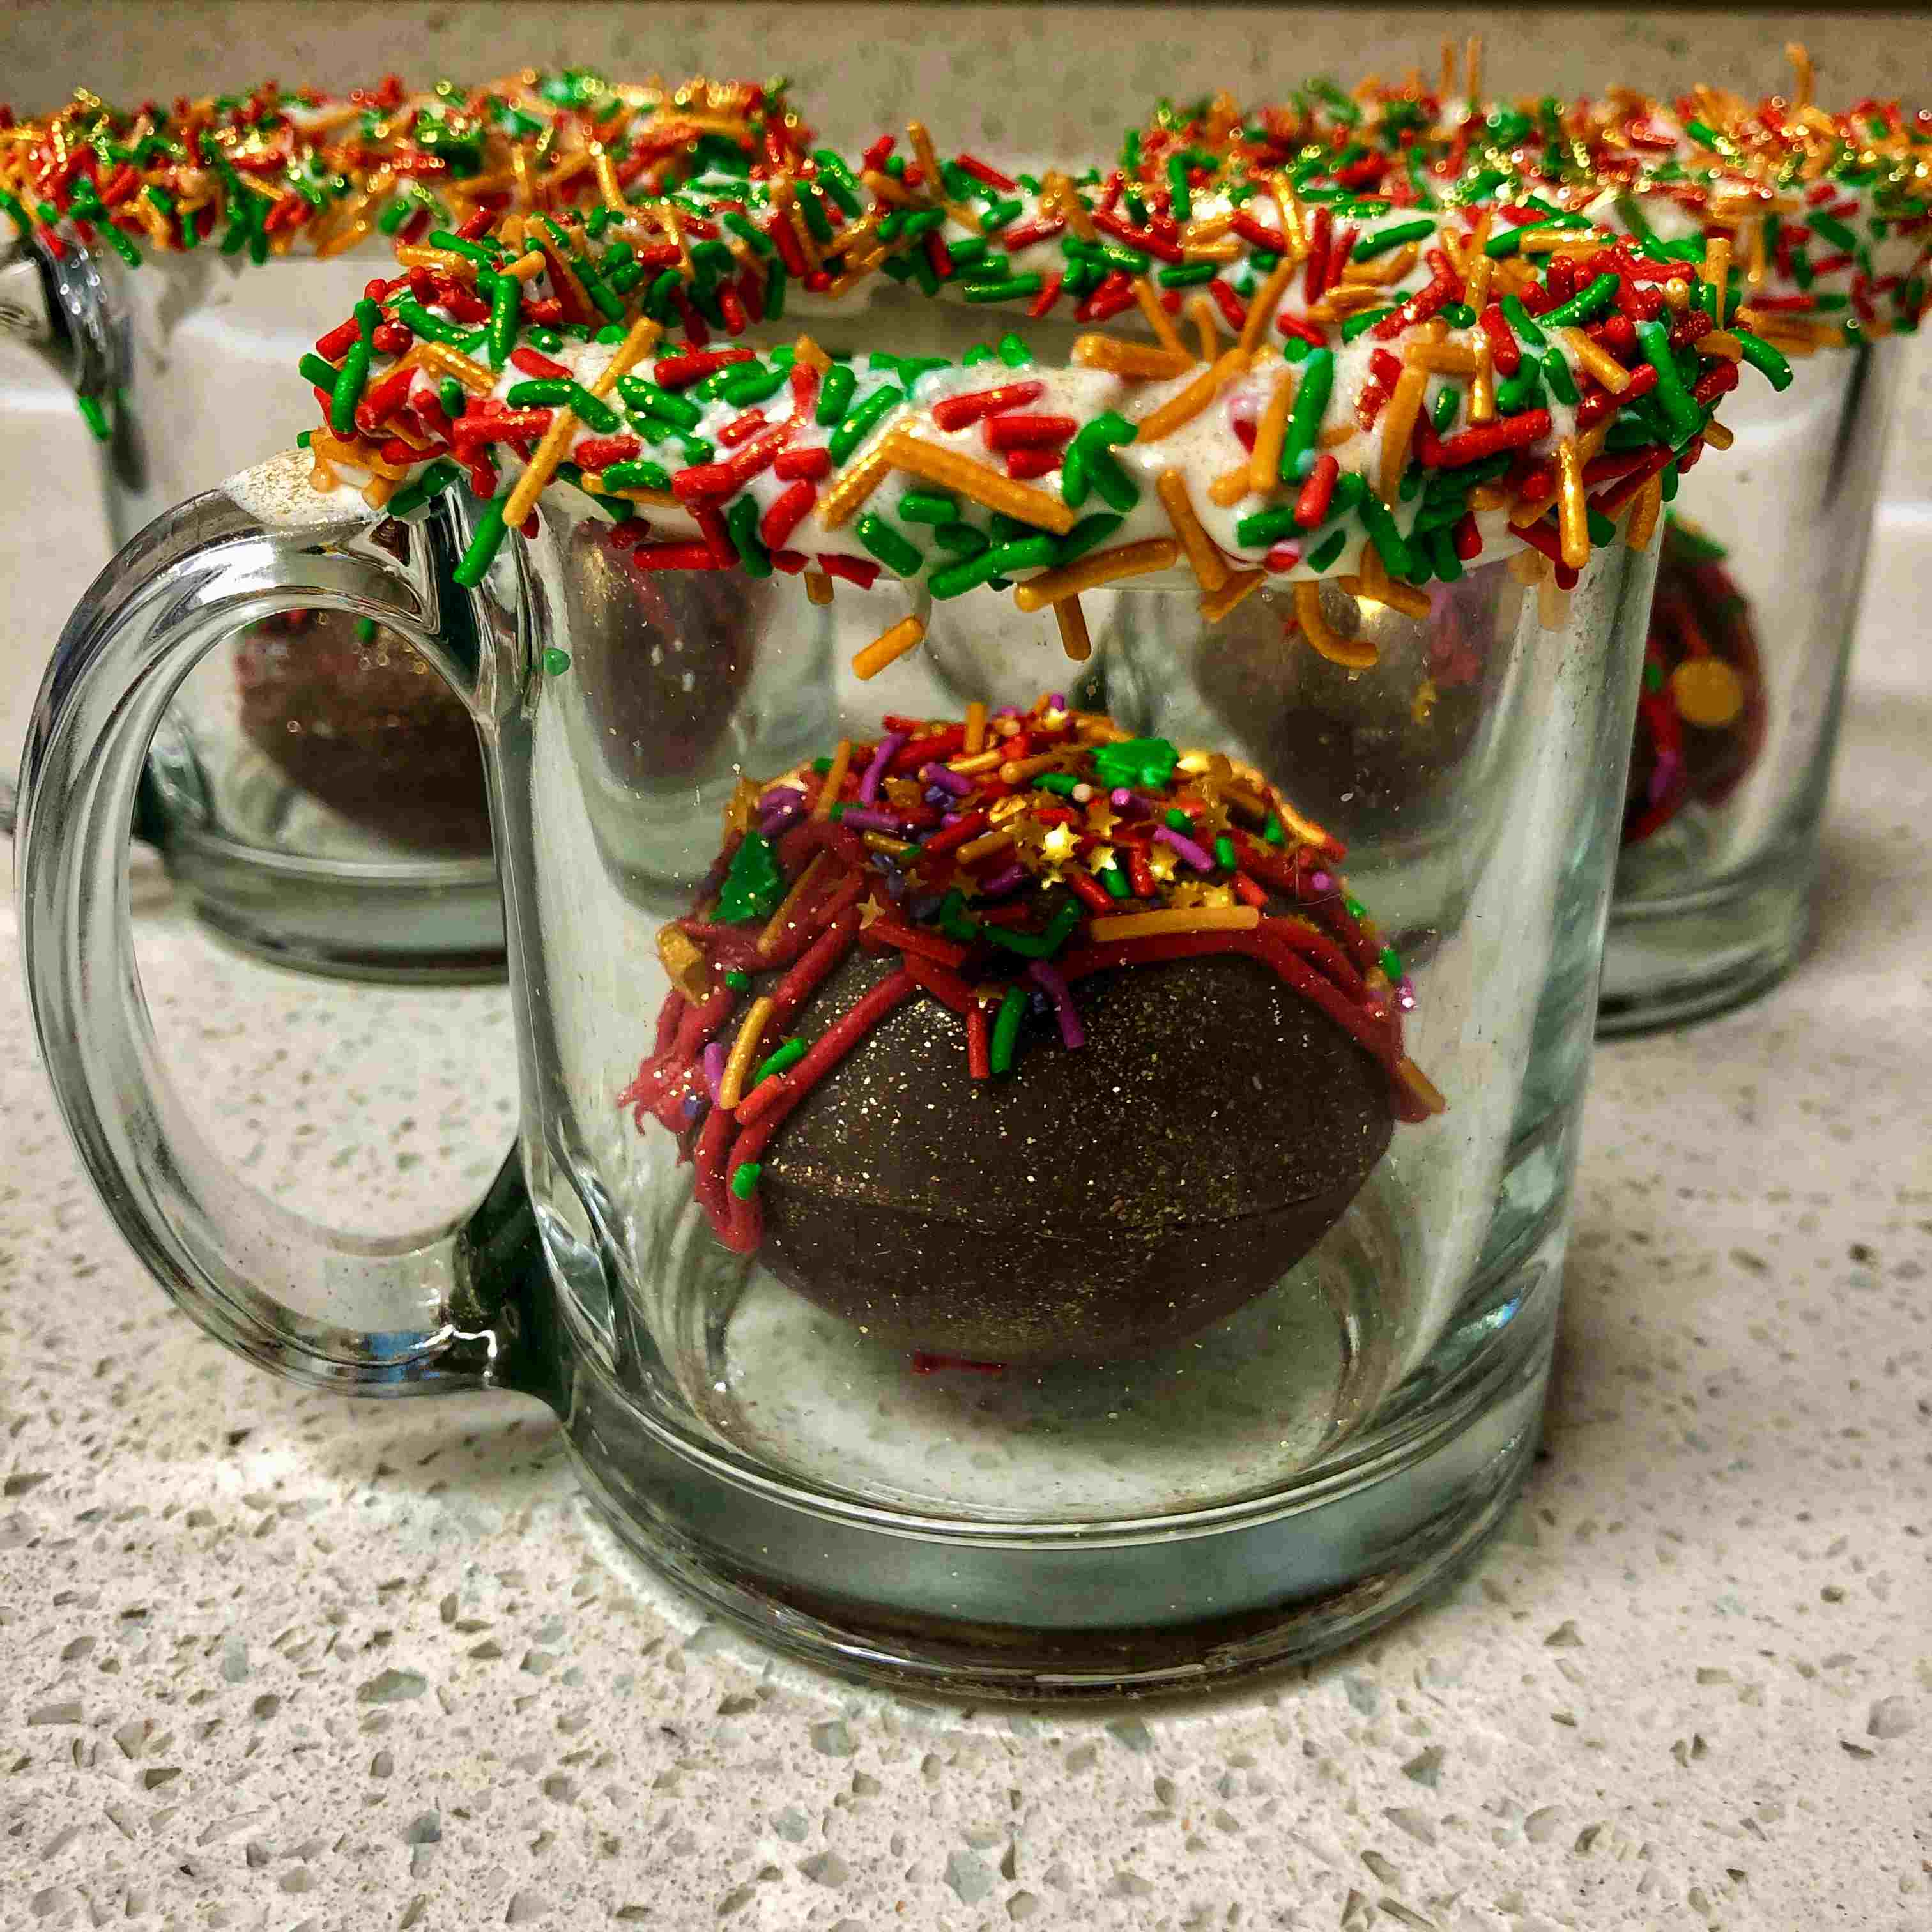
(1321, 881)
(1126, 802)
(780, 795)
(1054, 981)
(955, 782)
(1663, 775)
(715, 1055)
(1007, 711)
(861, 819)
(1000, 883)
(1201, 859)
(1056, 700)
(890, 746)
(775, 821)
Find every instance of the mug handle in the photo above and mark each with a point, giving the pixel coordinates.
(455, 1307)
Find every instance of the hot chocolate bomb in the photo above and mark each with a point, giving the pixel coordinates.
(953, 1088)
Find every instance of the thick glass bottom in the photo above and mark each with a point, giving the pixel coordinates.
(1677, 957)
(1135, 1604)
(422, 920)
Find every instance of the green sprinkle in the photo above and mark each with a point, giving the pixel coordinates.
(780, 1060)
(961, 538)
(1263, 528)
(1183, 209)
(1013, 352)
(1354, 908)
(1007, 1030)
(1147, 763)
(863, 420)
(737, 981)
(1390, 962)
(886, 544)
(556, 662)
(1765, 359)
(1272, 833)
(432, 328)
(505, 307)
(436, 478)
(313, 370)
(745, 383)
(835, 394)
(1224, 854)
(1304, 421)
(676, 410)
(1188, 274)
(1089, 533)
(365, 630)
(1443, 559)
(1359, 323)
(1009, 289)
(1833, 231)
(1380, 243)
(352, 378)
(641, 474)
(1681, 412)
(1177, 821)
(1448, 402)
(1038, 945)
(928, 506)
(954, 580)
(1390, 545)
(1325, 554)
(754, 886)
(744, 1178)
(741, 524)
(483, 546)
(1522, 391)
(1061, 784)
(1521, 323)
(1584, 305)
(1114, 879)
(1556, 373)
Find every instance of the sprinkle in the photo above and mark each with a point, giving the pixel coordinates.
(1265, 467)
(1074, 637)
(890, 645)
(1208, 566)
(839, 502)
(1190, 402)
(1185, 919)
(1569, 504)
(1105, 566)
(745, 1175)
(1138, 360)
(951, 470)
(976, 726)
(744, 1050)
(1006, 1030)
(1352, 654)
(1198, 856)
(1217, 605)
(1304, 422)
(770, 939)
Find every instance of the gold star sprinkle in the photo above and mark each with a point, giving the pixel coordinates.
(869, 909)
(1161, 863)
(1059, 846)
(1102, 818)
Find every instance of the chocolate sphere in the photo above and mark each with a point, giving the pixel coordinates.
(1094, 1203)
(370, 730)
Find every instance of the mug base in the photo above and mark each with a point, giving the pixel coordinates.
(1102, 1609)
(1672, 958)
(435, 921)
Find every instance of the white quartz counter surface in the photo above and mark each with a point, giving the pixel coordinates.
(274, 1659)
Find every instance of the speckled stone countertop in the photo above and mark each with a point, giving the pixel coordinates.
(273, 1660)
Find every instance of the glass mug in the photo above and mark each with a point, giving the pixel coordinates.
(1257, 1478)
(1757, 603)
(316, 789)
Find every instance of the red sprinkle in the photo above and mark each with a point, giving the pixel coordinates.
(1025, 465)
(679, 372)
(810, 461)
(1311, 506)
(532, 364)
(1014, 431)
(958, 413)
(785, 514)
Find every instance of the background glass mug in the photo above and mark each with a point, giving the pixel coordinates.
(1161, 1506)
(1757, 606)
(315, 788)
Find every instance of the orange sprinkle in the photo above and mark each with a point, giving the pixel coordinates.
(1179, 919)
(1141, 360)
(1644, 514)
(952, 470)
(1262, 309)
(828, 793)
(839, 503)
(1074, 638)
(1264, 459)
(1241, 583)
(1398, 426)
(1098, 567)
(1571, 520)
(1158, 320)
(976, 726)
(774, 926)
(1184, 406)
(1352, 653)
(744, 1050)
(908, 634)
(1208, 566)
(817, 587)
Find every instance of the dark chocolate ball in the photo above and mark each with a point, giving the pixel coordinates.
(370, 730)
(1091, 1204)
